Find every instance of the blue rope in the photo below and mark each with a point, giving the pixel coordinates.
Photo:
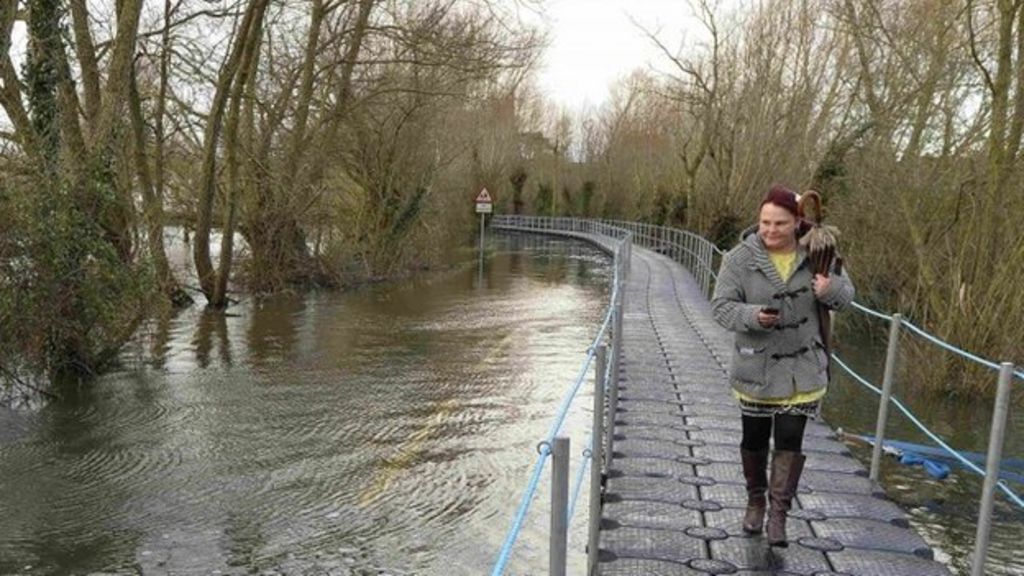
(563, 410)
(940, 343)
(588, 455)
(955, 350)
(524, 507)
(967, 463)
(531, 489)
(869, 311)
(545, 446)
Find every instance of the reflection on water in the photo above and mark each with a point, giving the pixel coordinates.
(387, 429)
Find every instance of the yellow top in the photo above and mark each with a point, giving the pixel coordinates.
(798, 398)
(784, 262)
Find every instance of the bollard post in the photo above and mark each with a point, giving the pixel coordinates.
(883, 403)
(992, 464)
(559, 506)
(596, 459)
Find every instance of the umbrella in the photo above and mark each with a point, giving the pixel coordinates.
(820, 243)
(820, 240)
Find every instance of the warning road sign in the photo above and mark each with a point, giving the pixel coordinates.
(484, 197)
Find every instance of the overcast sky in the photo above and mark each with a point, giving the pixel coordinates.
(594, 42)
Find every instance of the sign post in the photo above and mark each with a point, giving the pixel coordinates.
(484, 206)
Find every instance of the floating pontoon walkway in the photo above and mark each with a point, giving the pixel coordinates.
(675, 495)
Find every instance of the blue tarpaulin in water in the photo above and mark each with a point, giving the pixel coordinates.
(936, 460)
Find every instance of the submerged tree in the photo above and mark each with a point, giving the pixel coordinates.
(72, 290)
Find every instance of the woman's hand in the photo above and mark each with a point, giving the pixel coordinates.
(767, 320)
(820, 284)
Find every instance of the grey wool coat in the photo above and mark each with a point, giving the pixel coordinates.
(778, 362)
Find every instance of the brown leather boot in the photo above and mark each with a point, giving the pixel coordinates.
(755, 464)
(786, 469)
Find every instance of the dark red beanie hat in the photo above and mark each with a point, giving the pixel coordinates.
(784, 198)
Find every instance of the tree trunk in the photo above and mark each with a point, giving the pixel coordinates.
(10, 92)
(208, 177)
(348, 65)
(232, 145)
(87, 62)
(298, 141)
(151, 202)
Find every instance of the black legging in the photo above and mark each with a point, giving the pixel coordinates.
(789, 432)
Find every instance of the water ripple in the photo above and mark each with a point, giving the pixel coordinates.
(386, 430)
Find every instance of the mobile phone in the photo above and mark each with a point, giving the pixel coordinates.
(770, 311)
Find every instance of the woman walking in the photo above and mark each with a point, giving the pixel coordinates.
(769, 296)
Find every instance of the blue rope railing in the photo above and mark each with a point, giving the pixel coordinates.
(1014, 497)
(588, 457)
(931, 435)
(588, 454)
(934, 340)
(870, 312)
(955, 350)
(524, 507)
(544, 447)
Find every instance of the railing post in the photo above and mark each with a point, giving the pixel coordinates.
(883, 402)
(629, 255)
(613, 384)
(702, 253)
(705, 278)
(596, 460)
(689, 256)
(559, 506)
(992, 465)
(708, 257)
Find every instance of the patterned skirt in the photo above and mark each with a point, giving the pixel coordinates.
(764, 410)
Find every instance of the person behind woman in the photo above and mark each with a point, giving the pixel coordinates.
(769, 297)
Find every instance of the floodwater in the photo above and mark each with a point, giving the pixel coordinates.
(945, 511)
(386, 430)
